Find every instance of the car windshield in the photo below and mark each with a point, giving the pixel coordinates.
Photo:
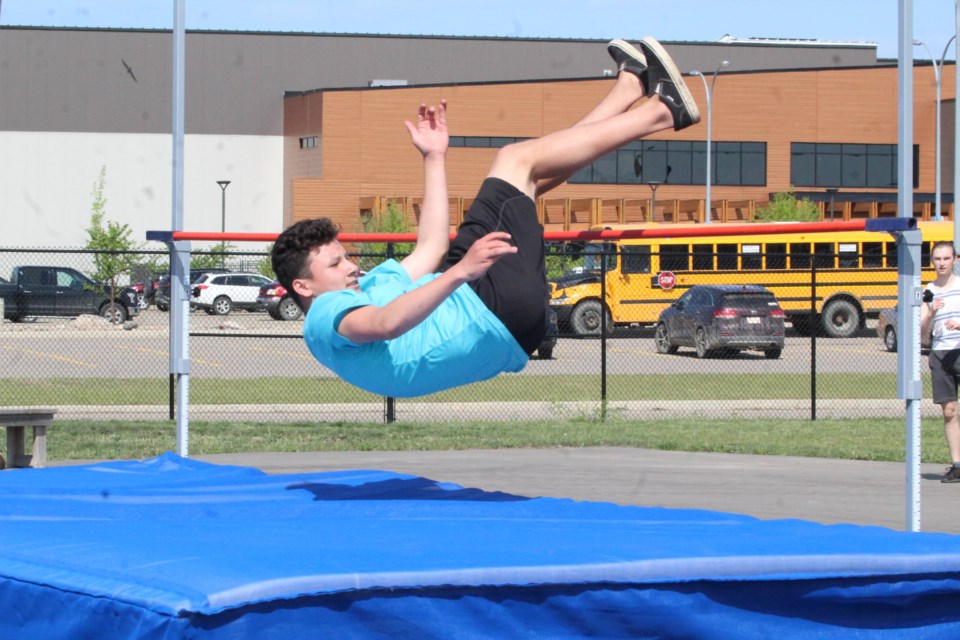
(595, 253)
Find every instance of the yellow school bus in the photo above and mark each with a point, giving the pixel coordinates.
(855, 275)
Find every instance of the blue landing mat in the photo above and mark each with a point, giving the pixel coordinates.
(173, 548)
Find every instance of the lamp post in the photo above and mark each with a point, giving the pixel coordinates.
(832, 191)
(223, 203)
(709, 92)
(937, 68)
(653, 204)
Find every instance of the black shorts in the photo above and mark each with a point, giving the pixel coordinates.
(944, 375)
(515, 287)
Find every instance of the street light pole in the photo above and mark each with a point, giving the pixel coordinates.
(709, 93)
(936, 76)
(223, 203)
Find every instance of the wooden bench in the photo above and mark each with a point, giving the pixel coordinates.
(16, 421)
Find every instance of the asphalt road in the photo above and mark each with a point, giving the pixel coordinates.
(54, 347)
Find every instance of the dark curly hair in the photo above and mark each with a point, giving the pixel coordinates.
(293, 246)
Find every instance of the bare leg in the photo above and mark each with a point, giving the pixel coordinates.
(562, 153)
(627, 89)
(951, 429)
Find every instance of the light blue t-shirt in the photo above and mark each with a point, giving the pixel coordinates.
(461, 342)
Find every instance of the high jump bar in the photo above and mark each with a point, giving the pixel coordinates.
(665, 231)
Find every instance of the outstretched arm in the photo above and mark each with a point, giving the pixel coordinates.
(372, 323)
(430, 137)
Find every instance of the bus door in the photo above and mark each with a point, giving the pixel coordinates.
(630, 299)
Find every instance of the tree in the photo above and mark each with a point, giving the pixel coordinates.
(785, 207)
(215, 257)
(390, 221)
(115, 252)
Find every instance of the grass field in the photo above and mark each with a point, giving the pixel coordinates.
(849, 439)
(506, 388)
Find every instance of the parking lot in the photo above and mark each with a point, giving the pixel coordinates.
(245, 344)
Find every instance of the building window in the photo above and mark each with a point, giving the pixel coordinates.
(871, 166)
(309, 142)
(679, 162)
(482, 142)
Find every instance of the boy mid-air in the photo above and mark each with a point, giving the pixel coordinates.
(452, 313)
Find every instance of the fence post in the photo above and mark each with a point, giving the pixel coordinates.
(603, 334)
(814, 329)
(390, 403)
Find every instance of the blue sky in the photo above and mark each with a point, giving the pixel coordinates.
(846, 20)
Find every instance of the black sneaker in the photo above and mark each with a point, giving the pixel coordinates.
(629, 58)
(667, 82)
(952, 474)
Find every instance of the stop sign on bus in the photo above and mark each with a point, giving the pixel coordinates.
(666, 280)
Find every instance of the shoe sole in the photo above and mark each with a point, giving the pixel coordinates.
(631, 51)
(675, 76)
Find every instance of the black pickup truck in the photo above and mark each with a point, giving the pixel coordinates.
(62, 291)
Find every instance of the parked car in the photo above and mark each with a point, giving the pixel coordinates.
(61, 291)
(887, 330)
(221, 293)
(278, 302)
(715, 319)
(162, 289)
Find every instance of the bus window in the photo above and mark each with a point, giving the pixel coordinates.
(751, 258)
(824, 252)
(703, 257)
(726, 257)
(776, 256)
(675, 257)
(636, 258)
(872, 255)
(847, 252)
(925, 254)
(800, 255)
(890, 248)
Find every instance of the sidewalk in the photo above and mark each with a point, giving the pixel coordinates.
(768, 487)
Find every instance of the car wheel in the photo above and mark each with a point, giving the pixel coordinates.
(840, 319)
(662, 340)
(162, 307)
(545, 353)
(289, 309)
(275, 315)
(703, 348)
(890, 339)
(222, 305)
(586, 319)
(114, 313)
(772, 354)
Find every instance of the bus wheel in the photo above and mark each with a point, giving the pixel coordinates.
(586, 318)
(840, 319)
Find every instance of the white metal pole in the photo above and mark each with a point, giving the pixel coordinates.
(956, 128)
(180, 251)
(708, 91)
(908, 356)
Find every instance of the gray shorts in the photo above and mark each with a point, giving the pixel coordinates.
(944, 375)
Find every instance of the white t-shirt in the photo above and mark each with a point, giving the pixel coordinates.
(944, 339)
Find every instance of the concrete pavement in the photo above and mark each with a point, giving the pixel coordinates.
(768, 487)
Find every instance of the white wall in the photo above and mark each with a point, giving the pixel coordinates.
(47, 181)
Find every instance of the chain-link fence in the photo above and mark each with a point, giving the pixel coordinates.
(609, 359)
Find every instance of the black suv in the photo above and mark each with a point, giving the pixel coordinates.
(722, 319)
(162, 293)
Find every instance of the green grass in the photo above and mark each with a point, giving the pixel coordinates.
(860, 439)
(506, 388)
